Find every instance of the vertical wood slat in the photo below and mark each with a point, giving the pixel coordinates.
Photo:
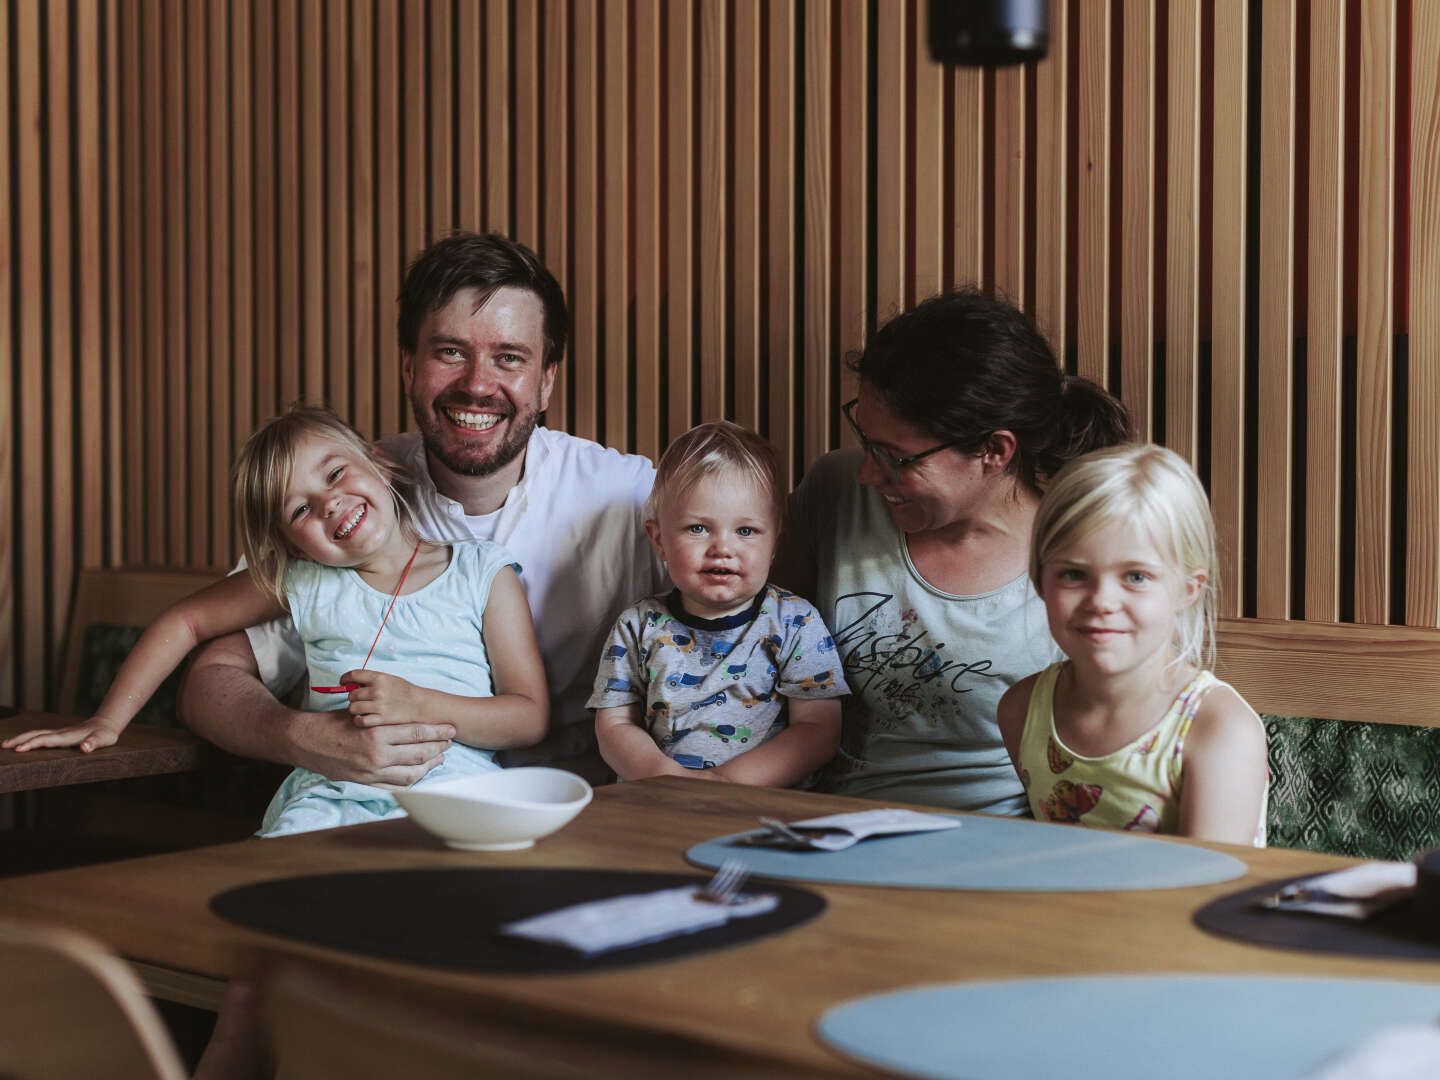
(196, 268)
(1182, 263)
(472, 164)
(1227, 298)
(615, 265)
(680, 214)
(59, 373)
(1137, 208)
(712, 88)
(816, 332)
(262, 60)
(9, 562)
(313, 200)
(440, 150)
(1324, 310)
(1276, 330)
(414, 178)
(497, 116)
(556, 172)
(1051, 190)
(113, 169)
(850, 317)
(527, 121)
(780, 271)
(649, 228)
(746, 345)
(1374, 311)
(153, 335)
(219, 173)
(389, 254)
(174, 344)
(928, 82)
(242, 157)
(1422, 504)
(89, 296)
(1009, 184)
(361, 285)
(339, 321)
(1092, 271)
(287, 205)
(585, 273)
(967, 264)
(29, 410)
(891, 158)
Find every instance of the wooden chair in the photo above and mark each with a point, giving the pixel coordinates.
(1352, 717)
(336, 1024)
(70, 1007)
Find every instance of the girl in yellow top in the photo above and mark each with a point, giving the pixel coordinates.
(1132, 731)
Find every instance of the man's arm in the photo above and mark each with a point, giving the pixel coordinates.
(223, 700)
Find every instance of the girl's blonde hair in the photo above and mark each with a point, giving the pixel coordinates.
(717, 448)
(1154, 488)
(262, 475)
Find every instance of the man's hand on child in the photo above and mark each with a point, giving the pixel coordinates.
(91, 735)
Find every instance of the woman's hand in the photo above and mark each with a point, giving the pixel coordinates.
(91, 735)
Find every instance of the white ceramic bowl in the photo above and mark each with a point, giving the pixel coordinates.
(498, 811)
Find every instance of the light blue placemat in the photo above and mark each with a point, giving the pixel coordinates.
(992, 853)
(1181, 1027)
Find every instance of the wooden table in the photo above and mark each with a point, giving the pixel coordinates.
(142, 750)
(760, 1000)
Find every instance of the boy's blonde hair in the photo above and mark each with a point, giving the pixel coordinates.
(1156, 489)
(716, 448)
(262, 474)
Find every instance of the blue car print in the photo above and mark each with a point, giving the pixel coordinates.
(681, 679)
(617, 684)
(713, 699)
(615, 652)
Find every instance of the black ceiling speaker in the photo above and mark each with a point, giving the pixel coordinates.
(979, 33)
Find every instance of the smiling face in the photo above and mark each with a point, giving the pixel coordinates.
(337, 509)
(938, 490)
(718, 540)
(1112, 599)
(477, 381)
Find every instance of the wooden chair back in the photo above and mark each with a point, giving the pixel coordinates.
(70, 1007)
(119, 597)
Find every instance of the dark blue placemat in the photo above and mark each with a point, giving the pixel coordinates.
(992, 853)
(1123, 1027)
(1401, 931)
(447, 918)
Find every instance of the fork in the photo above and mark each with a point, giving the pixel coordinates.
(725, 886)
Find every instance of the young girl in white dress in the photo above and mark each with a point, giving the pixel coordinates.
(1132, 731)
(328, 538)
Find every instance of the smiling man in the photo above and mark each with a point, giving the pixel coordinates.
(483, 327)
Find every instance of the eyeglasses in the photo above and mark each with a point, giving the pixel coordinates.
(883, 458)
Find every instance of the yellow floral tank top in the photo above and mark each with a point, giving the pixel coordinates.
(1137, 787)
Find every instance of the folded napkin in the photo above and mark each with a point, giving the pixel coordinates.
(839, 831)
(1354, 893)
(638, 919)
(1402, 1052)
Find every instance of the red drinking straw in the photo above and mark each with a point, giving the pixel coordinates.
(345, 688)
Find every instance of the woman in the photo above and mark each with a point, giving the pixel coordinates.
(915, 547)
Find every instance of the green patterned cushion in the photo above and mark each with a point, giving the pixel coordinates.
(1365, 789)
(101, 654)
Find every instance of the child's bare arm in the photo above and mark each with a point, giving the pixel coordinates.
(1225, 773)
(1010, 714)
(628, 748)
(222, 608)
(517, 714)
(809, 742)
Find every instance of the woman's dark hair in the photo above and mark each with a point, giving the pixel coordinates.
(964, 365)
(465, 260)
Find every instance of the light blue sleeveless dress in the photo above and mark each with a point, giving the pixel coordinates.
(432, 639)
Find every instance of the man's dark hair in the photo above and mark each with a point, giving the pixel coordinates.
(467, 260)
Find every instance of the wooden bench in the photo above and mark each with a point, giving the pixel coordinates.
(1352, 716)
(221, 799)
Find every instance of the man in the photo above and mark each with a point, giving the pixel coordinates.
(483, 328)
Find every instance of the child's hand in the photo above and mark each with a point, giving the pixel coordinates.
(382, 699)
(91, 735)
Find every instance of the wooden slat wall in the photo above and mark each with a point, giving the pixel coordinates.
(1207, 206)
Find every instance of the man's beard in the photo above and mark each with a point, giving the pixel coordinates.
(433, 428)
